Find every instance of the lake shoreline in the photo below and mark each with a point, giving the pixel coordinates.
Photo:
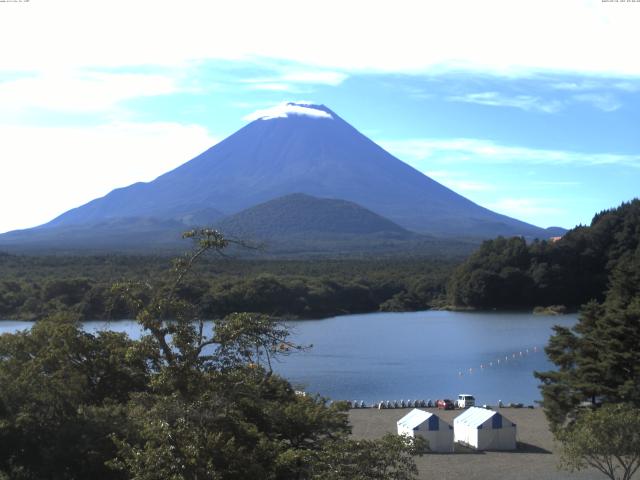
(538, 311)
(419, 355)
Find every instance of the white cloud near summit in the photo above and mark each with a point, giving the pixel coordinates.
(285, 110)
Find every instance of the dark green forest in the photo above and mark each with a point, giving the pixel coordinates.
(504, 273)
(34, 286)
(510, 273)
(592, 396)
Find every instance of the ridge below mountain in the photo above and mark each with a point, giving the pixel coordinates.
(300, 214)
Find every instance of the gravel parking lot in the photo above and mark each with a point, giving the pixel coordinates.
(535, 459)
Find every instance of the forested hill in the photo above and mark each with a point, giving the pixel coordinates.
(509, 273)
(299, 215)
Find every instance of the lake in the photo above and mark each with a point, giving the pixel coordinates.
(417, 355)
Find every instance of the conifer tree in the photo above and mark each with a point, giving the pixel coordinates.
(598, 360)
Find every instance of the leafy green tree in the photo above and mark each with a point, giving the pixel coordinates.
(494, 276)
(389, 458)
(66, 291)
(216, 410)
(61, 394)
(607, 439)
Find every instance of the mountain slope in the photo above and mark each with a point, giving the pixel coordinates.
(307, 149)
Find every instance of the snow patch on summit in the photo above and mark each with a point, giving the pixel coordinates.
(284, 110)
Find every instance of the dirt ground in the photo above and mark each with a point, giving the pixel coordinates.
(535, 458)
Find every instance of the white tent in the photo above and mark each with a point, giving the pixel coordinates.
(484, 430)
(438, 433)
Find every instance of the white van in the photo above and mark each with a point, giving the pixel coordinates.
(465, 401)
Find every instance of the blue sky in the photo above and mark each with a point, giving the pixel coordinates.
(530, 114)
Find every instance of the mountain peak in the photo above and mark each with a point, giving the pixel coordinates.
(299, 147)
(291, 109)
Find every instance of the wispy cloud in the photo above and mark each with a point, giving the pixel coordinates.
(599, 93)
(496, 99)
(273, 87)
(576, 86)
(82, 91)
(457, 182)
(296, 81)
(526, 207)
(602, 101)
(557, 184)
(628, 85)
(316, 77)
(486, 151)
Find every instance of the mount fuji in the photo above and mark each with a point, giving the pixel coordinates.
(294, 148)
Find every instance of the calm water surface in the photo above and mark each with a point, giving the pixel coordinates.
(422, 355)
(418, 355)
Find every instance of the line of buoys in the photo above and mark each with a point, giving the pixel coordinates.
(500, 361)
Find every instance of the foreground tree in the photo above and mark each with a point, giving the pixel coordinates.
(185, 402)
(598, 360)
(389, 458)
(598, 363)
(62, 393)
(607, 439)
(215, 408)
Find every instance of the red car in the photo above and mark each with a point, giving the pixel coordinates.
(445, 404)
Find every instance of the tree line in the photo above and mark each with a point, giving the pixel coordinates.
(592, 397)
(33, 287)
(511, 273)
